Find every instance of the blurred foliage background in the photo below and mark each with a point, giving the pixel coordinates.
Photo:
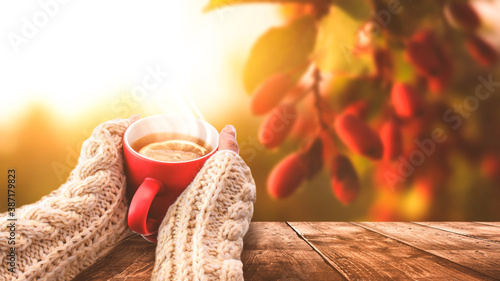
(460, 180)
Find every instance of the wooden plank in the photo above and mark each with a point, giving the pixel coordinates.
(362, 254)
(494, 223)
(273, 251)
(476, 254)
(471, 229)
(131, 259)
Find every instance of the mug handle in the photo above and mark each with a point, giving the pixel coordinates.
(138, 220)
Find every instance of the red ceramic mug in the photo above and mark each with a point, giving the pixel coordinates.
(154, 185)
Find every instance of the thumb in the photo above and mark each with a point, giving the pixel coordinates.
(227, 139)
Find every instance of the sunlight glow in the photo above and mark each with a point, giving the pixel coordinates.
(84, 54)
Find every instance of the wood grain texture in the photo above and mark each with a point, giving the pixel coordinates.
(362, 254)
(477, 254)
(471, 229)
(132, 259)
(273, 251)
(339, 251)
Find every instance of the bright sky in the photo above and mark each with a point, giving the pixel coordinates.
(70, 55)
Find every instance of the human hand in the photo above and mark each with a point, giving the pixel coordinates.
(220, 199)
(227, 139)
(134, 118)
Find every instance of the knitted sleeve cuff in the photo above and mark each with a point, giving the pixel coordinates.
(69, 229)
(201, 237)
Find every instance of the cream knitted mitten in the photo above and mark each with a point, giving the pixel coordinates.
(69, 229)
(201, 237)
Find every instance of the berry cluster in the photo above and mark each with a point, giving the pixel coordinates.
(382, 93)
(380, 128)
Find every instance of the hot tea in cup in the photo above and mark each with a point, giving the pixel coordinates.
(163, 154)
(171, 147)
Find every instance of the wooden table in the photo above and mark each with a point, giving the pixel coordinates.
(340, 251)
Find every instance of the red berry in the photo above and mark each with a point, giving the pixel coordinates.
(296, 93)
(344, 179)
(480, 50)
(306, 124)
(390, 134)
(464, 15)
(312, 157)
(407, 102)
(439, 83)
(287, 176)
(358, 136)
(358, 108)
(430, 59)
(270, 92)
(490, 167)
(278, 124)
(423, 52)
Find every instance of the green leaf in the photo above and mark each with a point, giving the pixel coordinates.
(214, 4)
(335, 48)
(280, 49)
(358, 10)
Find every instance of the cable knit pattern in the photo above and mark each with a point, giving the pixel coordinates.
(201, 237)
(69, 229)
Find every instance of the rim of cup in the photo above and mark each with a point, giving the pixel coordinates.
(210, 130)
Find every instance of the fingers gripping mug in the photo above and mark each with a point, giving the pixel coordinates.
(163, 154)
